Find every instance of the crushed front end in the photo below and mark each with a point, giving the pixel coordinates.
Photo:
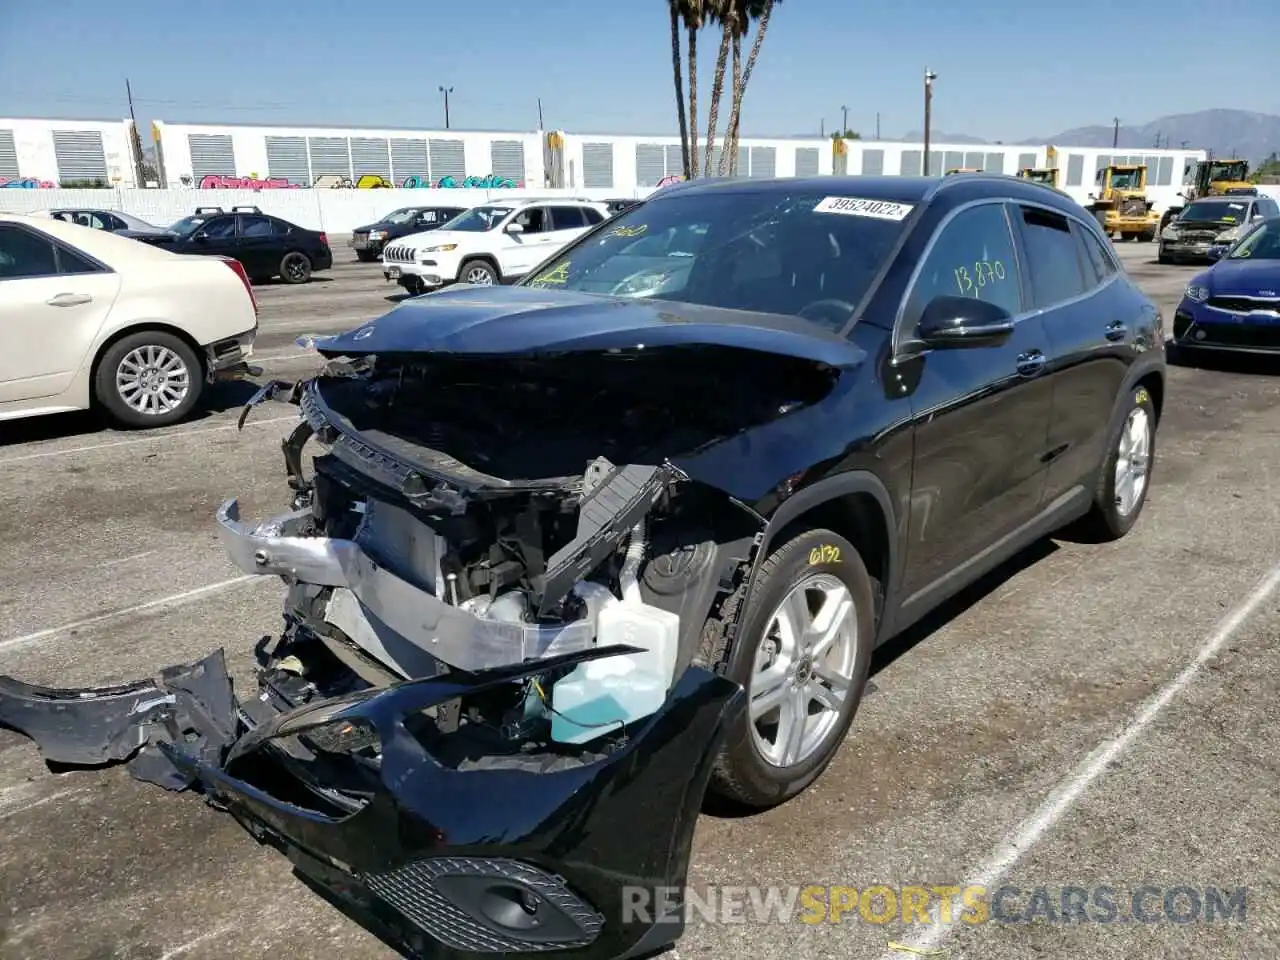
(485, 727)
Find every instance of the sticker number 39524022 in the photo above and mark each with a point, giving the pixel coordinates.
(862, 207)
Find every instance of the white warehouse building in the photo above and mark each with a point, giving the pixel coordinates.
(53, 153)
(236, 158)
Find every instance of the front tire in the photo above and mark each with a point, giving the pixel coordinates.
(1125, 477)
(805, 640)
(148, 379)
(367, 256)
(479, 272)
(295, 267)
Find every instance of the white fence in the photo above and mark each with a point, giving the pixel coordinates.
(336, 211)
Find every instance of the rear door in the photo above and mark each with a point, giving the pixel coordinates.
(53, 301)
(1094, 325)
(258, 245)
(981, 414)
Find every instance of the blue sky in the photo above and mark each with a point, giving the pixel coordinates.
(1007, 70)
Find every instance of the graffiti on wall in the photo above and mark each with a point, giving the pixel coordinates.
(252, 182)
(26, 183)
(368, 181)
(490, 182)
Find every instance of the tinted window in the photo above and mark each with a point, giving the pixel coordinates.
(223, 228)
(1053, 259)
(1098, 265)
(480, 219)
(25, 254)
(71, 262)
(113, 222)
(567, 218)
(972, 256)
(251, 227)
(593, 215)
(796, 252)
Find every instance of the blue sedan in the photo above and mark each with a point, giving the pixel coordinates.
(1235, 304)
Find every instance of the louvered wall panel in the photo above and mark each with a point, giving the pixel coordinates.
(448, 159)
(287, 160)
(329, 157)
(370, 156)
(597, 165)
(807, 161)
(409, 159)
(8, 156)
(506, 159)
(211, 155)
(79, 155)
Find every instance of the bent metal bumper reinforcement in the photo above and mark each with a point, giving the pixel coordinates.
(449, 633)
(440, 861)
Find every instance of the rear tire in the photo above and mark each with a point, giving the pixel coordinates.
(366, 256)
(1125, 476)
(295, 267)
(814, 568)
(148, 379)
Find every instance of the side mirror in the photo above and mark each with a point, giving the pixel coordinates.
(514, 228)
(1216, 253)
(963, 322)
(200, 238)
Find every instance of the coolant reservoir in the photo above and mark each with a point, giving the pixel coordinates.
(609, 693)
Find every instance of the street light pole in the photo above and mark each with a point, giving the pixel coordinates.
(929, 77)
(844, 123)
(446, 91)
(1115, 133)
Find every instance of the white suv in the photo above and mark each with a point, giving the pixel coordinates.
(497, 242)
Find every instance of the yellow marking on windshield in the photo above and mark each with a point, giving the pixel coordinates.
(555, 276)
(629, 231)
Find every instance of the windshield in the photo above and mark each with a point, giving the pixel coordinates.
(1263, 243)
(762, 251)
(186, 225)
(479, 219)
(1218, 211)
(1126, 179)
(401, 216)
(1226, 171)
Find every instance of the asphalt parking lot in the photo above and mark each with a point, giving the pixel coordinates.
(984, 756)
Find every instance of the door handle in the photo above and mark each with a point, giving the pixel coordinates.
(1116, 331)
(69, 299)
(1031, 363)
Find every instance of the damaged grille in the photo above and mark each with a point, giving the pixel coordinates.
(416, 890)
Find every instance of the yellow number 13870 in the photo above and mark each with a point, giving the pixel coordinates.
(984, 272)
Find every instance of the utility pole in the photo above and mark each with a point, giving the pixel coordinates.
(844, 121)
(929, 77)
(822, 127)
(1115, 134)
(877, 125)
(446, 91)
(136, 147)
(1157, 139)
(540, 126)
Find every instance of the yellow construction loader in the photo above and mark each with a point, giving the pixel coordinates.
(1121, 205)
(1214, 178)
(1047, 175)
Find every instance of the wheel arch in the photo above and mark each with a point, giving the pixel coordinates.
(142, 326)
(488, 258)
(856, 505)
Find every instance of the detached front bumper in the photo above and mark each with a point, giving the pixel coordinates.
(229, 359)
(440, 844)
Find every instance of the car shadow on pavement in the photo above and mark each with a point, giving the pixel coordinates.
(1253, 364)
(277, 282)
(906, 641)
(218, 398)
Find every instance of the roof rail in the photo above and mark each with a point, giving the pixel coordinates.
(246, 209)
(207, 210)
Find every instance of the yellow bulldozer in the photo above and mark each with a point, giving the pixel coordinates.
(1047, 175)
(1213, 178)
(1121, 205)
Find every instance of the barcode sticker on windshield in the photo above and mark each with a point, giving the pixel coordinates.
(860, 207)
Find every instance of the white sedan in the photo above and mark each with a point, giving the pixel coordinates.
(90, 320)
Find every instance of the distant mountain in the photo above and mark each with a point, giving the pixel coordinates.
(1241, 133)
(936, 136)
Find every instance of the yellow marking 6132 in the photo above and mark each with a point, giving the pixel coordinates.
(629, 231)
(824, 554)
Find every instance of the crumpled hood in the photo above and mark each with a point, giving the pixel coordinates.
(517, 321)
(1246, 278)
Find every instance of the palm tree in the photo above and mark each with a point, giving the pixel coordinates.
(676, 9)
(760, 11)
(693, 16)
(723, 12)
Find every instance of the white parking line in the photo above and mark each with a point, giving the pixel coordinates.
(1064, 796)
(173, 600)
(43, 454)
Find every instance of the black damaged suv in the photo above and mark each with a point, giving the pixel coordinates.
(572, 550)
